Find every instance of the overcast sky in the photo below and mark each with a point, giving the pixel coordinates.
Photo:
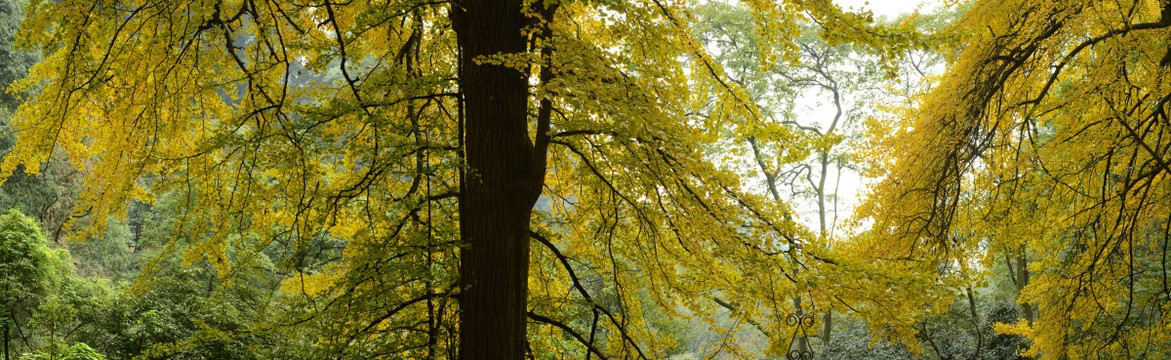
(850, 186)
(888, 8)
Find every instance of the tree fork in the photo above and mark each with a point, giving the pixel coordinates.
(504, 177)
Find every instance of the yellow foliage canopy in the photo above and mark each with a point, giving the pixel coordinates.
(1048, 140)
(282, 122)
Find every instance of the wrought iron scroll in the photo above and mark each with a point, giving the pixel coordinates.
(803, 322)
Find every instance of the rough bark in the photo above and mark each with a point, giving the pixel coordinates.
(501, 184)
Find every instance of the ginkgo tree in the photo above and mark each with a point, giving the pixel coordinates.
(796, 153)
(1045, 147)
(422, 135)
(799, 153)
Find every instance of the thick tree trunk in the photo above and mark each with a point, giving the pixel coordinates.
(501, 183)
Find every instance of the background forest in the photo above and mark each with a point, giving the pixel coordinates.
(556, 179)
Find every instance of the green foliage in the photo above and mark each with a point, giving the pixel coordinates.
(38, 291)
(14, 62)
(26, 272)
(175, 309)
(855, 340)
(78, 351)
(181, 316)
(110, 256)
(26, 268)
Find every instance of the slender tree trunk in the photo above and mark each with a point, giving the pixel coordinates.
(7, 322)
(975, 323)
(1022, 269)
(827, 318)
(504, 175)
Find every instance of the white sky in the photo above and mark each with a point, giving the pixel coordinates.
(850, 186)
(888, 8)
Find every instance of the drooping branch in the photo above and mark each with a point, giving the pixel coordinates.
(561, 258)
(568, 330)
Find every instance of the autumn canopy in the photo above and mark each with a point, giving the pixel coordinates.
(563, 179)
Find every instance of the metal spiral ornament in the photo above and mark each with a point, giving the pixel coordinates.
(802, 322)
